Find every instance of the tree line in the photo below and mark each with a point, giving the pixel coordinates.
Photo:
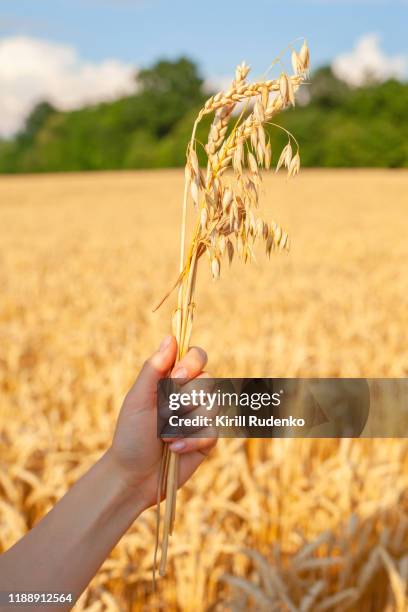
(339, 126)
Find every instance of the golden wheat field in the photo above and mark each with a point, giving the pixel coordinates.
(294, 525)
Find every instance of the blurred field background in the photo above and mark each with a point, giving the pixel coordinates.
(267, 525)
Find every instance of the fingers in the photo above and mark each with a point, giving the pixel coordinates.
(188, 445)
(159, 366)
(191, 365)
(163, 407)
(156, 367)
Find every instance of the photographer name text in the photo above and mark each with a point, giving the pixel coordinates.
(241, 420)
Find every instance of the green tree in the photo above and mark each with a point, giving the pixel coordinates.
(36, 119)
(167, 91)
(326, 90)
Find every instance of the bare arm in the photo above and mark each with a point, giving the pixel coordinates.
(65, 549)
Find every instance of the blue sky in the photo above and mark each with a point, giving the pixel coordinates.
(72, 52)
(139, 31)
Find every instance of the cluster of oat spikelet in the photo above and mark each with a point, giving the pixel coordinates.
(226, 206)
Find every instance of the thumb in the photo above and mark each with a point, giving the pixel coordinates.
(156, 367)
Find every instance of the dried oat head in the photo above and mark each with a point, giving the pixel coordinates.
(226, 206)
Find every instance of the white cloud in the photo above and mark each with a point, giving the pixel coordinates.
(368, 61)
(32, 69)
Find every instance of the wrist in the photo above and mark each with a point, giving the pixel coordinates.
(128, 491)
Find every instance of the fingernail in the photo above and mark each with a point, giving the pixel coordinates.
(178, 446)
(165, 343)
(180, 373)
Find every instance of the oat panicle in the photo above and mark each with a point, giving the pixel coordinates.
(228, 223)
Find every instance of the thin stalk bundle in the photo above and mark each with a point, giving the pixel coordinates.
(226, 206)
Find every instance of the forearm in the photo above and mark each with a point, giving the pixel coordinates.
(65, 549)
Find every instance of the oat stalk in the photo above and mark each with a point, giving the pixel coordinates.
(226, 208)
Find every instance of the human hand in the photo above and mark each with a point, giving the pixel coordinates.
(136, 450)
